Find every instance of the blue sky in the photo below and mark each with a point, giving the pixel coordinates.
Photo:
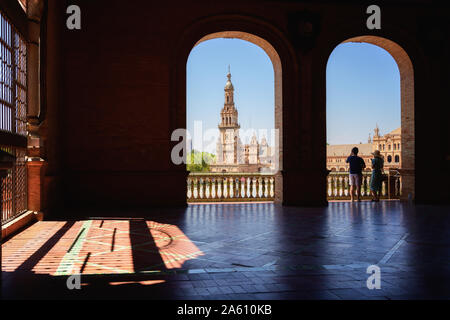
(363, 89)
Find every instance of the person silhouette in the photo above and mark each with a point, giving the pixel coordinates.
(356, 166)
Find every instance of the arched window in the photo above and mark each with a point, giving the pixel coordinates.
(397, 158)
(389, 159)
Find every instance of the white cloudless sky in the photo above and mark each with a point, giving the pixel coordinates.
(363, 89)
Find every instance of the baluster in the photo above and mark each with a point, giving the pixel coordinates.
(213, 188)
(248, 188)
(344, 185)
(254, 194)
(346, 190)
(272, 187)
(266, 188)
(260, 187)
(189, 192)
(334, 186)
(363, 181)
(207, 188)
(329, 189)
(340, 186)
(219, 188)
(225, 188)
(195, 185)
(231, 182)
(243, 187)
(367, 188)
(200, 193)
(362, 186)
(238, 187)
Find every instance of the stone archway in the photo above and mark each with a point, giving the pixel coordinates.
(406, 70)
(278, 99)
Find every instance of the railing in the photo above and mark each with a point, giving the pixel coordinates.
(230, 187)
(14, 187)
(338, 187)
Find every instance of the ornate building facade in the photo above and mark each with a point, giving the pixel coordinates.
(231, 154)
(388, 144)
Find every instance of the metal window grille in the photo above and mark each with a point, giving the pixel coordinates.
(14, 186)
(13, 77)
(13, 116)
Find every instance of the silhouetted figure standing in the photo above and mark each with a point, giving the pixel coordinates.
(377, 175)
(356, 165)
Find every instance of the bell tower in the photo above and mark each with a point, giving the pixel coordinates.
(229, 114)
(228, 144)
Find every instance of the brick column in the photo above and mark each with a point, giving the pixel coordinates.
(35, 184)
(36, 163)
(408, 183)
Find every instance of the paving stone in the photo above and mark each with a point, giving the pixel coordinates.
(272, 251)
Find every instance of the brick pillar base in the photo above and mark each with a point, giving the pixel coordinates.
(35, 184)
(407, 187)
(278, 188)
(304, 187)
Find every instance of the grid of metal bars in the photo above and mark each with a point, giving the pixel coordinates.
(14, 186)
(13, 77)
(13, 116)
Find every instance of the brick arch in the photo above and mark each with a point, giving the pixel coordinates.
(253, 30)
(276, 63)
(406, 70)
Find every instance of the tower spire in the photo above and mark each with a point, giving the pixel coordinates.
(377, 131)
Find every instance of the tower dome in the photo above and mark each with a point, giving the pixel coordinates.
(229, 85)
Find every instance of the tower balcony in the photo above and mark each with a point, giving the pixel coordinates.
(229, 126)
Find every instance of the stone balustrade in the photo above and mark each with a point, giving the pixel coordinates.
(230, 187)
(338, 187)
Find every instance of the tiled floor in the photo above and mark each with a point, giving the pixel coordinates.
(237, 251)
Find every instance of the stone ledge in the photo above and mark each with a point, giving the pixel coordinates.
(17, 224)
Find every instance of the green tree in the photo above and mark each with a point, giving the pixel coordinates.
(199, 161)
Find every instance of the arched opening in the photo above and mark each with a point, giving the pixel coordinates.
(389, 143)
(266, 156)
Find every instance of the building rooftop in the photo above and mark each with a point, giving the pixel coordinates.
(345, 149)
